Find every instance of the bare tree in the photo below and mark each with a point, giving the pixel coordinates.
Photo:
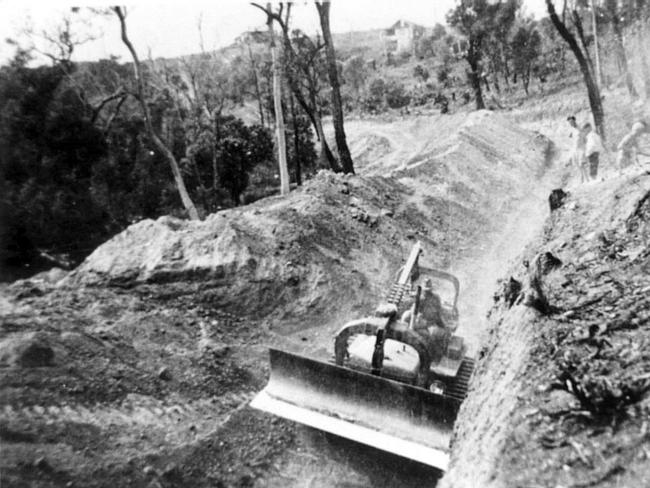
(277, 98)
(584, 61)
(277, 104)
(305, 73)
(258, 92)
(323, 9)
(59, 42)
(303, 76)
(615, 18)
(641, 12)
(185, 81)
(160, 145)
(476, 20)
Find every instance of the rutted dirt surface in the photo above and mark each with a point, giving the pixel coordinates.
(136, 368)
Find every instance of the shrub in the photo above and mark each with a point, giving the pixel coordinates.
(396, 96)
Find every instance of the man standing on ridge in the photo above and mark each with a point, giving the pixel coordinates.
(577, 157)
(593, 148)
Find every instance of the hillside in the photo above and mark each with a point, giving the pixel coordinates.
(137, 367)
(139, 364)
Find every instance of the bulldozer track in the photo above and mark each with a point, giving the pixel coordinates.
(458, 388)
(144, 411)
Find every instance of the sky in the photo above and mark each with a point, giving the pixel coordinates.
(170, 27)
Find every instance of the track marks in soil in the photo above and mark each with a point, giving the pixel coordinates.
(135, 410)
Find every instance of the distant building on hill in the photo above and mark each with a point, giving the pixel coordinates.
(459, 47)
(402, 36)
(253, 37)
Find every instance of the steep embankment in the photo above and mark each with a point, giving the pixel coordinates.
(137, 367)
(560, 397)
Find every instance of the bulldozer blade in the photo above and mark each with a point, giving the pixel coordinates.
(395, 417)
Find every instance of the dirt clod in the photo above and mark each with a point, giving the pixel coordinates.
(164, 374)
(556, 199)
(42, 464)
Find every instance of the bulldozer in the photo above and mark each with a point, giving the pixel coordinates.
(396, 379)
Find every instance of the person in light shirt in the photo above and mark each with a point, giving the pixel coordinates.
(628, 149)
(577, 157)
(593, 148)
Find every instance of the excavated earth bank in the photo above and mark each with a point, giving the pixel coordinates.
(136, 368)
(560, 397)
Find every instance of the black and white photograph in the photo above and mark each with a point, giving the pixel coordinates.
(325, 244)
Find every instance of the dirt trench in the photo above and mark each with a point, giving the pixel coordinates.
(560, 394)
(560, 397)
(137, 367)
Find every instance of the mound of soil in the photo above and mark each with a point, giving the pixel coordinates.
(280, 257)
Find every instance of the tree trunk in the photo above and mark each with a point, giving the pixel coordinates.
(215, 158)
(645, 67)
(111, 118)
(577, 20)
(475, 78)
(629, 82)
(323, 9)
(326, 157)
(279, 119)
(296, 140)
(160, 145)
(594, 23)
(203, 190)
(258, 94)
(525, 79)
(620, 48)
(311, 109)
(215, 178)
(592, 88)
(486, 82)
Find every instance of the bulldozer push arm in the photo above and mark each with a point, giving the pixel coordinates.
(394, 298)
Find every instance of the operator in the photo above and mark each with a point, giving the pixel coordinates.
(429, 322)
